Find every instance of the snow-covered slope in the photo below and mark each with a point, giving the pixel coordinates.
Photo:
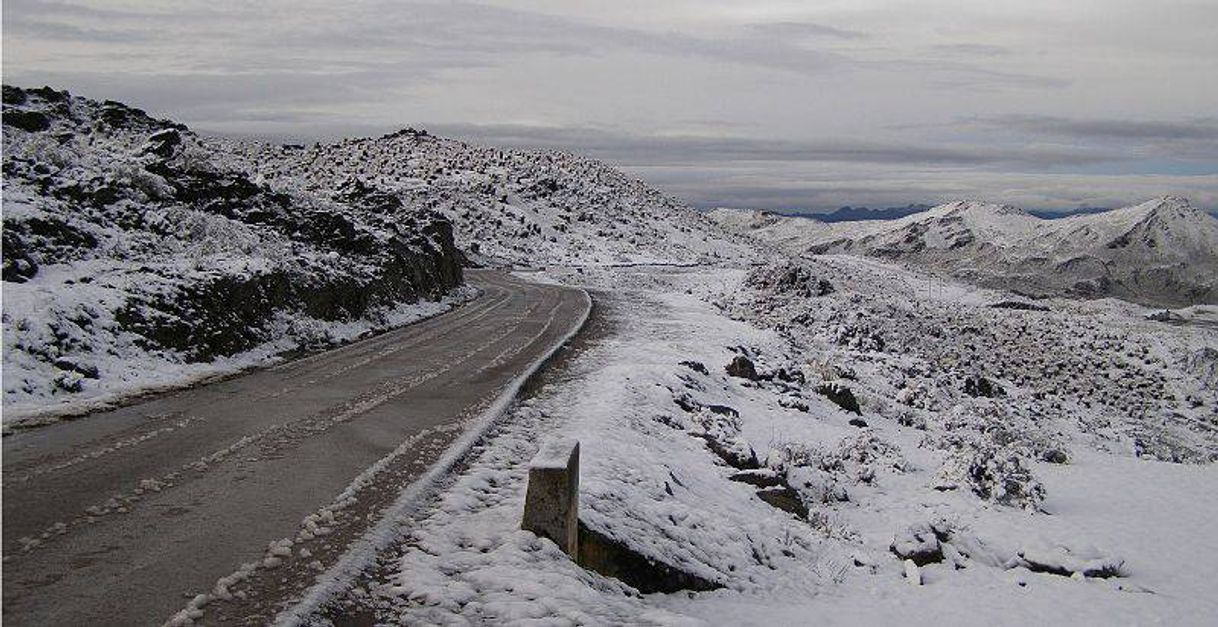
(135, 256)
(1162, 251)
(510, 206)
(139, 254)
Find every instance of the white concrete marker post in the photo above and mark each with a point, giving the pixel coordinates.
(551, 502)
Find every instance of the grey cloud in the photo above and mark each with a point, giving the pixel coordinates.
(881, 186)
(463, 35)
(1108, 129)
(20, 8)
(973, 50)
(69, 32)
(653, 150)
(804, 29)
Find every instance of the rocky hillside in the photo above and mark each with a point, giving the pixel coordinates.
(138, 253)
(133, 249)
(1161, 252)
(507, 206)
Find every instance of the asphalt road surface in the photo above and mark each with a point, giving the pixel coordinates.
(121, 517)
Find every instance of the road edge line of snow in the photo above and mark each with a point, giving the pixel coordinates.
(364, 549)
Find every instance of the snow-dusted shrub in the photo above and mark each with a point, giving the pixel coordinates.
(791, 279)
(920, 543)
(816, 486)
(839, 395)
(855, 330)
(1088, 561)
(998, 474)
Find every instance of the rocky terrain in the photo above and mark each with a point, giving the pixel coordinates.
(130, 244)
(1161, 252)
(1012, 369)
(507, 206)
(139, 254)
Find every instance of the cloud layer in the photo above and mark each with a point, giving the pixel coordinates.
(766, 104)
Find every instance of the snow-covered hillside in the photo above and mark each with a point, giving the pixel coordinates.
(508, 206)
(136, 256)
(1163, 251)
(139, 254)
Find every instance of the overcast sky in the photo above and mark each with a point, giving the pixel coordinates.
(812, 105)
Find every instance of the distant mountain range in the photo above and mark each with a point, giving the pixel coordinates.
(1160, 252)
(859, 214)
(855, 214)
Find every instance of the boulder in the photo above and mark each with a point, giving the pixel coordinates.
(840, 395)
(30, 121)
(742, 367)
(978, 385)
(784, 498)
(918, 543)
(163, 143)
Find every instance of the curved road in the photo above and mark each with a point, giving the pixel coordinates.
(120, 518)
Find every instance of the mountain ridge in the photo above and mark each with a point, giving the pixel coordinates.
(1160, 252)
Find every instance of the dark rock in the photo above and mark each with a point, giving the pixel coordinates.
(1018, 305)
(761, 477)
(1065, 563)
(19, 267)
(840, 395)
(742, 367)
(1055, 456)
(611, 557)
(50, 95)
(14, 96)
(31, 121)
(723, 410)
(793, 403)
(796, 280)
(1166, 315)
(786, 499)
(858, 422)
(696, 366)
(976, 386)
(686, 403)
(790, 376)
(163, 143)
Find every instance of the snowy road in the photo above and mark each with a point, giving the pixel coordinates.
(120, 518)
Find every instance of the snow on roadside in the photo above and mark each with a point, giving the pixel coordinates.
(642, 482)
(122, 366)
(650, 480)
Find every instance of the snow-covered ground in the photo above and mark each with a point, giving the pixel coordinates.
(979, 491)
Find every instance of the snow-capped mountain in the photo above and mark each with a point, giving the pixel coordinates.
(1162, 251)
